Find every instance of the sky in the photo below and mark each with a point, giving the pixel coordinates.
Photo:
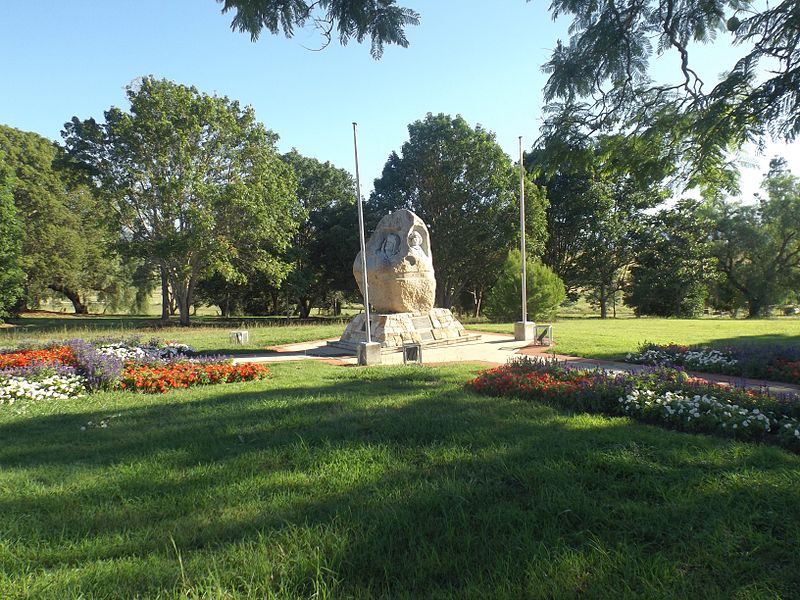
(475, 58)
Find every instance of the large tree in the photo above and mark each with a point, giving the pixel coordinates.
(67, 247)
(11, 276)
(604, 73)
(674, 265)
(757, 247)
(193, 182)
(326, 242)
(604, 70)
(380, 20)
(597, 199)
(465, 188)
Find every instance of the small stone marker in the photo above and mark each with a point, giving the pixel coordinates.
(240, 337)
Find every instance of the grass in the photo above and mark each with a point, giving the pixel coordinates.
(207, 335)
(329, 482)
(612, 339)
(592, 338)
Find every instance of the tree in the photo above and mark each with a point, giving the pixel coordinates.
(11, 276)
(596, 201)
(573, 206)
(67, 247)
(604, 74)
(545, 290)
(608, 250)
(461, 183)
(193, 182)
(757, 248)
(674, 266)
(326, 242)
(382, 20)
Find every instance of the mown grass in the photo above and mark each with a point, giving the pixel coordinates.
(333, 482)
(209, 335)
(612, 339)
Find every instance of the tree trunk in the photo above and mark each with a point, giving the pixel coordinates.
(603, 302)
(74, 297)
(181, 293)
(304, 307)
(226, 307)
(756, 308)
(477, 301)
(164, 294)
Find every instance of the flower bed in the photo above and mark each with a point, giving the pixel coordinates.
(62, 355)
(662, 396)
(774, 363)
(155, 379)
(52, 387)
(72, 368)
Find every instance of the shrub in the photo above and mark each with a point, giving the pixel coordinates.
(545, 290)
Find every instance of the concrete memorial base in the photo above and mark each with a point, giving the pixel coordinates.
(368, 354)
(524, 330)
(436, 327)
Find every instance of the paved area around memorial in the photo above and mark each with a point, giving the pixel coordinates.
(490, 349)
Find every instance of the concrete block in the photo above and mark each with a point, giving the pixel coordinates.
(524, 330)
(368, 353)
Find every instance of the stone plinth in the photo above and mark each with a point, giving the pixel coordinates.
(436, 327)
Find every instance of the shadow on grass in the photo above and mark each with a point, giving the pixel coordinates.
(396, 483)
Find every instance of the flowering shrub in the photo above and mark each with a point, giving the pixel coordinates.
(775, 363)
(67, 370)
(53, 387)
(100, 370)
(662, 396)
(134, 351)
(155, 379)
(782, 369)
(701, 359)
(45, 356)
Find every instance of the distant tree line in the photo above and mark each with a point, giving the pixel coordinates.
(186, 192)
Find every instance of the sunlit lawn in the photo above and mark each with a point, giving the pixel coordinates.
(594, 338)
(332, 482)
(205, 335)
(609, 339)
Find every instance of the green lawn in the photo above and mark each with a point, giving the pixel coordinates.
(207, 335)
(611, 339)
(332, 482)
(594, 338)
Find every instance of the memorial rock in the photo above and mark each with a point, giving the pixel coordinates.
(402, 289)
(399, 265)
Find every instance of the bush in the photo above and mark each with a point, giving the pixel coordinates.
(545, 291)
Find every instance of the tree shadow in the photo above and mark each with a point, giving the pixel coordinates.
(406, 486)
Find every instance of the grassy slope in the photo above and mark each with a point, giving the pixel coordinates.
(388, 482)
(595, 338)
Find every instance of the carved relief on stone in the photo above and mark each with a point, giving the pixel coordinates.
(399, 265)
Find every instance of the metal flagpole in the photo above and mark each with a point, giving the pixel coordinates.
(522, 233)
(361, 234)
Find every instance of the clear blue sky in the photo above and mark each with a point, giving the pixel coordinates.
(471, 57)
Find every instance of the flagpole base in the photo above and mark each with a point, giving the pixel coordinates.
(524, 330)
(368, 353)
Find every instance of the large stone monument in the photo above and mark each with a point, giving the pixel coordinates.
(402, 288)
